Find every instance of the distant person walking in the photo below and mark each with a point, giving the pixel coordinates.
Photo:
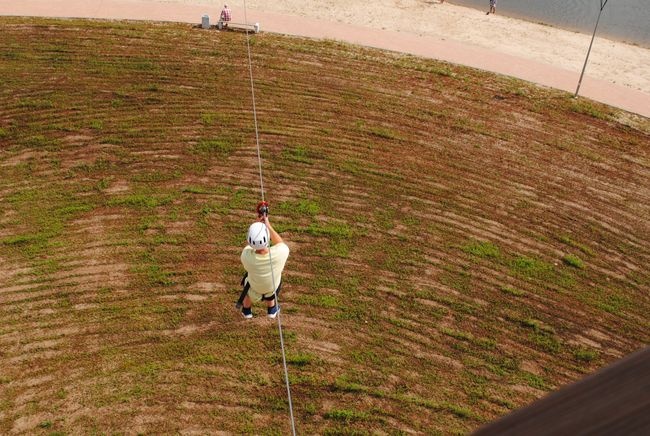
(226, 15)
(493, 7)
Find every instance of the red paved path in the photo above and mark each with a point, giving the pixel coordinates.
(455, 52)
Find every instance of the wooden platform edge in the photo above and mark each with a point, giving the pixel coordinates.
(613, 401)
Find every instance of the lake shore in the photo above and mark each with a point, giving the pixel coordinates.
(616, 62)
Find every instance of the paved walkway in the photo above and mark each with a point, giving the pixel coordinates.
(443, 49)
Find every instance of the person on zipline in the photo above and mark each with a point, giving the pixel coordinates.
(258, 259)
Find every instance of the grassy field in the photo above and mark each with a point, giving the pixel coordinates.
(462, 243)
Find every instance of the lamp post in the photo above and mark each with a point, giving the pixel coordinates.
(584, 67)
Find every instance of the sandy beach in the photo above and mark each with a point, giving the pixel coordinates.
(615, 62)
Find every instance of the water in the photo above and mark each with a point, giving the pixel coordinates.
(622, 20)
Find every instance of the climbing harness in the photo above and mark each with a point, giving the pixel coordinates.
(262, 211)
(246, 286)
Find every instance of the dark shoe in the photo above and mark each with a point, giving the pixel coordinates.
(272, 312)
(247, 312)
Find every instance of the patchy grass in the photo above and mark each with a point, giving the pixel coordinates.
(582, 247)
(335, 230)
(484, 249)
(585, 354)
(141, 200)
(303, 207)
(463, 336)
(220, 146)
(126, 193)
(530, 267)
(512, 291)
(300, 359)
(592, 109)
(196, 190)
(325, 301)
(533, 380)
(300, 154)
(346, 415)
(383, 132)
(573, 261)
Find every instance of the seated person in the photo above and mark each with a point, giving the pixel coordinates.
(226, 15)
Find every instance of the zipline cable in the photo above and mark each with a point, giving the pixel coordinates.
(257, 135)
(259, 161)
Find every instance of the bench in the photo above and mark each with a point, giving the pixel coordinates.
(205, 24)
(255, 28)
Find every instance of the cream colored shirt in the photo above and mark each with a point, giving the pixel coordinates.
(259, 267)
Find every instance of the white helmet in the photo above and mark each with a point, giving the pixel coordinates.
(258, 236)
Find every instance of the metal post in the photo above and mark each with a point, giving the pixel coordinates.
(584, 67)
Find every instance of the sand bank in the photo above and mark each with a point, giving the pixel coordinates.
(612, 61)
